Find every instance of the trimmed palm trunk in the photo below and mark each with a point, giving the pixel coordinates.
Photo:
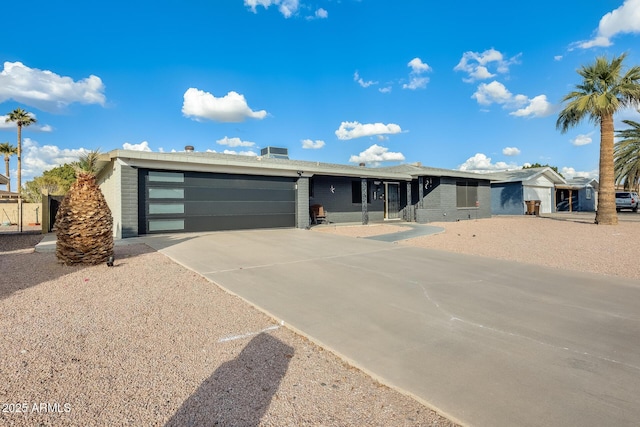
(606, 213)
(84, 225)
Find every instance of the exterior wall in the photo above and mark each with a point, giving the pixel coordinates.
(303, 219)
(129, 200)
(507, 199)
(587, 204)
(335, 195)
(31, 212)
(119, 184)
(439, 203)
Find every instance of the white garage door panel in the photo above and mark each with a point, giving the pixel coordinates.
(539, 193)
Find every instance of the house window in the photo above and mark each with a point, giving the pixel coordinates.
(588, 193)
(356, 192)
(466, 194)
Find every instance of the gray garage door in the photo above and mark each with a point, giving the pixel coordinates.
(193, 201)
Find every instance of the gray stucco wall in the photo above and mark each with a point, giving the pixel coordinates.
(507, 198)
(302, 203)
(335, 195)
(439, 203)
(119, 184)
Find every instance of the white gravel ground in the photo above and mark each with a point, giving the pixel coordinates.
(149, 343)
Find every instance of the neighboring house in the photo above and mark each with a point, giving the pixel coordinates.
(577, 195)
(190, 191)
(510, 190)
(4, 194)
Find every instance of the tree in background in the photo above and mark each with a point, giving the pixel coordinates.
(538, 165)
(84, 225)
(56, 181)
(604, 90)
(626, 156)
(8, 150)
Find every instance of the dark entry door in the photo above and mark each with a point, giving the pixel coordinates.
(392, 200)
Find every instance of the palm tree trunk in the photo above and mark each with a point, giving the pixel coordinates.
(19, 177)
(6, 168)
(606, 213)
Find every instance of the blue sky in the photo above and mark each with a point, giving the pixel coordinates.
(467, 85)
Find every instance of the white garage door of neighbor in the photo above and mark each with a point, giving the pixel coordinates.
(539, 193)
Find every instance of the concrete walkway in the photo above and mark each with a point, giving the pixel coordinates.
(486, 342)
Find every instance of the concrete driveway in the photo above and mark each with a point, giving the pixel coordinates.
(486, 342)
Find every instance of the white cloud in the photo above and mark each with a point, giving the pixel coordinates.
(569, 173)
(46, 90)
(476, 64)
(322, 14)
(229, 108)
(4, 125)
(417, 66)
(36, 159)
(241, 153)
(481, 163)
(312, 145)
(494, 92)
(385, 89)
(538, 107)
(143, 146)
(416, 79)
(376, 154)
(557, 58)
(286, 7)
(351, 130)
(582, 140)
(235, 142)
(361, 82)
(416, 83)
(625, 19)
(511, 151)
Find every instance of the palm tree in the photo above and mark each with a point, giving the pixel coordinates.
(84, 225)
(21, 119)
(8, 150)
(604, 91)
(626, 153)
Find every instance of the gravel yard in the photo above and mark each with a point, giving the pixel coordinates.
(148, 342)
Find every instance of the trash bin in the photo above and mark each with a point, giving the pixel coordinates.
(530, 207)
(536, 207)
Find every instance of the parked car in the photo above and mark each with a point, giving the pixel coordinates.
(626, 200)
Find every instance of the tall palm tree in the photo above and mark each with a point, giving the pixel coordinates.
(604, 91)
(84, 225)
(626, 153)
(21, 119)
(8, 150)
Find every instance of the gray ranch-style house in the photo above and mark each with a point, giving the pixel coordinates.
(190, 191)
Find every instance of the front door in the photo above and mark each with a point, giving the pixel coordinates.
(392, 200)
